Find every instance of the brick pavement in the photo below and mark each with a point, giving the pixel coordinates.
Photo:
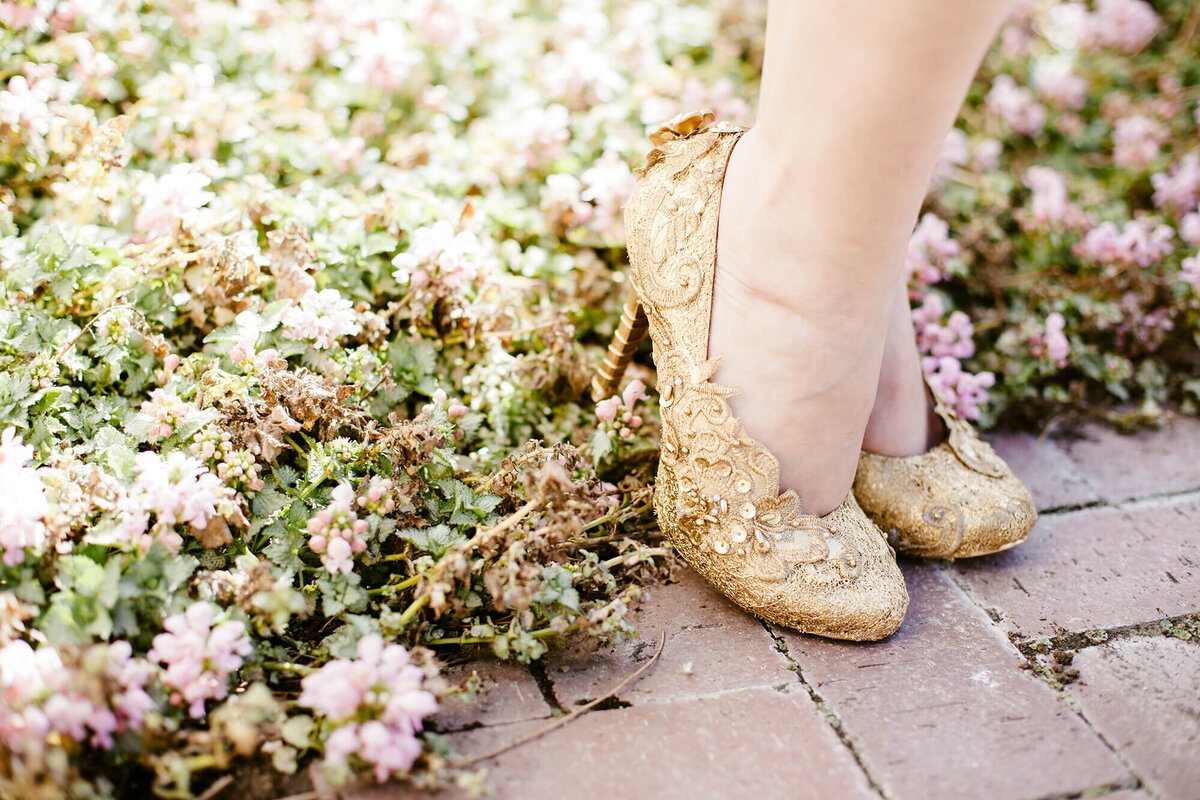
(1068, 667)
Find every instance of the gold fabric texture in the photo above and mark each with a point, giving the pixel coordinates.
(717, 491)
(958, 500)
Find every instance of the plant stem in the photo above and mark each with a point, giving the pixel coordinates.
(284, 666)
(309, 489)
(413, 608)
(396, 587)
(640, 556)
(461, 640)
(504, 524)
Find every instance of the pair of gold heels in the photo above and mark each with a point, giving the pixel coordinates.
(717, 490)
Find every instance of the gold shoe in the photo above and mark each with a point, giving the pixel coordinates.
(958, 500)
(717, 491)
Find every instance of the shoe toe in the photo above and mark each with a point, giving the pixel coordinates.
(934, 506)
(855, 592)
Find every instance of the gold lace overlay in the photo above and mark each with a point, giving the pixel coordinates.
(958, 500)
(717, 490)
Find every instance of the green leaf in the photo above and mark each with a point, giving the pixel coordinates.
(297, 731)
(284, 547)
(557, 587)
(600, 445)
(434, 540)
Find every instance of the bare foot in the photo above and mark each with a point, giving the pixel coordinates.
(902, 422)
(800, 326)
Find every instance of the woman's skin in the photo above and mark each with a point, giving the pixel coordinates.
(819, 200)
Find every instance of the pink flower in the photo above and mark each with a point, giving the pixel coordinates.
(606, 410)
(166, 411)
(1136, 141)
(987, 155)
(381, 57)
(1128, 25)
(437, 254)
(930, 250)
(40, 694)
(379, 698)
(635, 391)
(167, 199)
(177, 490)
(200, 653)
(1050, 199)
(1137, 244)
(1016, 106)
(20, 15)
(622, 407)
(22, 501)
(25, 106)
(608, 183)
(955, 152)
(1189, 229)
(337, 532)
(1190, 271)
(955, 339)
(1052, 342)
(1180, 188)
(1057, 85)
(964, 391)
(321, 317)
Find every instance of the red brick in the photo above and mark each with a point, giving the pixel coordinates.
(712, 645)
(750, 743)
(1121, 467)
(507, 693)
(1095, 568)
(943, 710)
(1052, 479)
(1143, 696)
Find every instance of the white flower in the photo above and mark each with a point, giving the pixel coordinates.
(22, 500)
(166, 199)
(322, 318)
(437, 252)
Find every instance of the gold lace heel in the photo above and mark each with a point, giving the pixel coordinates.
(630, 330)
(717, 494)
(959, 500)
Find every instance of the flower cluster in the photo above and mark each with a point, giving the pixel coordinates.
(321, 317)
(1050, 204)
(963, 391)
(930, 251)
(235, 466)
(1139, 243)
(1052, 343)
(620, 412)
(437, 254)
(176, 490)
(337, 532)
(22, 500)
(376, 704)
(168, 199)
(1016, 106)
(99, 693)
(200, 651)
(1127, 25)
(166, 410)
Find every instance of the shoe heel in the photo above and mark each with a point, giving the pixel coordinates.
(630, 330)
